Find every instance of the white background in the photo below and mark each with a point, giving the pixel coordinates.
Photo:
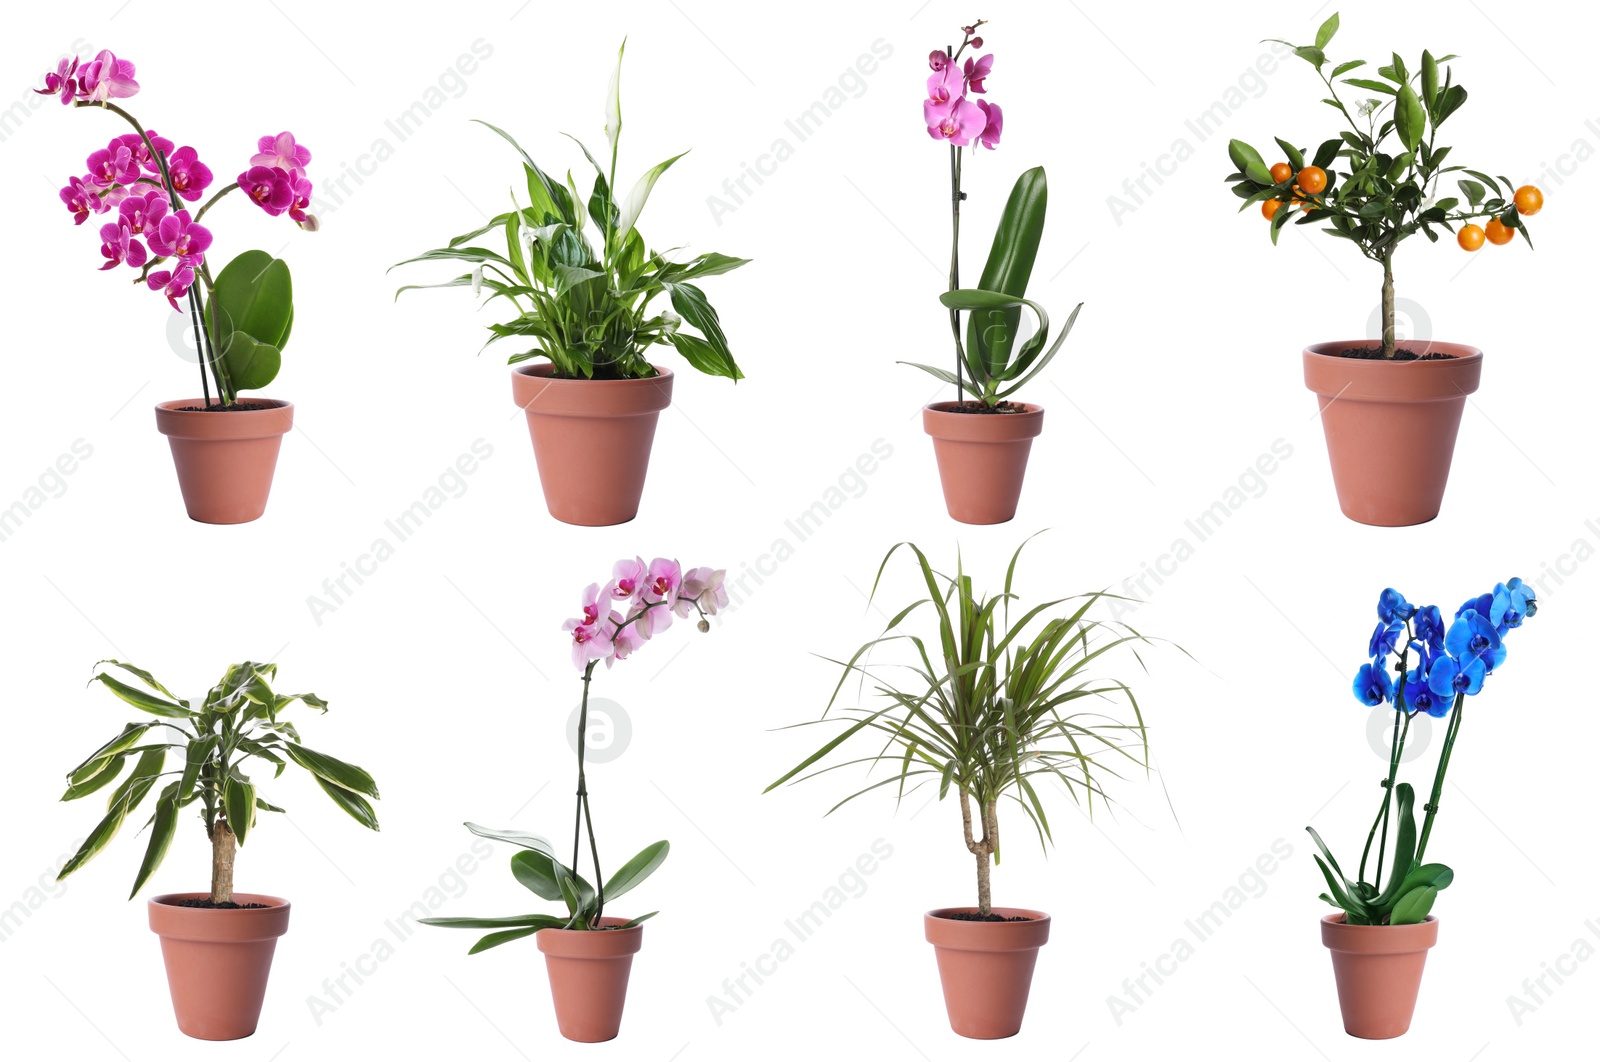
(447, 671)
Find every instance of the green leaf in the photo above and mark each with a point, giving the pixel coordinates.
(1450, 101)
(105, 773)
(1345, 68)
(709, 264)
(1327, 152)
(1369, 85)
(1436, 875)
(1311, 55)
(141, 700)
(239, 806)
(637, 869)
(1405, 845)
(537, 921)
(1430, 81)
(162, 829)
(251, 365)
(1413, 907)
(1248, 159)
(1326, 31)
(98, 838)
(1297, 161)
(703, 356)
(494, 940)
(633, 206)
(1473, 191)
(542, 190)
(1410, 119)
(345, 775)
(691, 302)
(354, 805)
(521, 840)
(630, 923)
(95, 762)
(535, 869)
(992, 334)
(194, 759)
(255, 295)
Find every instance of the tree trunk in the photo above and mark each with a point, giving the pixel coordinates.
(1388, 305)
(982, 849)
(223, 846)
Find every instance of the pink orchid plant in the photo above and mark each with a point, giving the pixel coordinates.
(990, 363)
(142, 182)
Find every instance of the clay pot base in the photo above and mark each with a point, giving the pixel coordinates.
(225, 458)
(588, 972)
(986, 968)
(218, 960)
(982, 458)
(1378, 971)
(1373, 409)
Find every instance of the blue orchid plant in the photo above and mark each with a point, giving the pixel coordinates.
(1435, 669)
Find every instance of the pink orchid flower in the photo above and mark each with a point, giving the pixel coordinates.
(107, 78)
(975, 70)
(301, 187)
(627, 580)
(937, 60)
(268, 187)
(142, 212)
(174, 284)
(118, 244)
(281, 151)
(141, 154)
(113, 164)
(82, 199)
(702, 587)
(946, 85)
(957, 122)
(63, 83)
(190, 176)
(177, 236)
(590, 641)
(993, 120)
(631, 635)
(591, 604)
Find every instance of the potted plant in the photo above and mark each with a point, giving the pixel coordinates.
(1380, 937)
(225, 447)
(217, 945)
(990, 716)
(1386, 189)
(982, 442)
(585, 307)
(588, 953)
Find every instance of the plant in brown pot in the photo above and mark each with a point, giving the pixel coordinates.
(584, 307)
(142, 189)
(995, 710)
(1380, 940)
(1375, 184)
(588, 953)
(982, 442)
(217, 945)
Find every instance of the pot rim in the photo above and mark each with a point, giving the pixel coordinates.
(543, 370)
(207, 925)
(1338, 936)
(1029, 409)
(1315, 350)
(173, 407)
(610, 942)
(959, 935)
(273, 903)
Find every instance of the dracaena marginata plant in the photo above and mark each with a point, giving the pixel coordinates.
(1389, 167)
(585, 305)
(993, 709)
(241, 316)
(210, 745)
(990, 363)
(1435, 669)
(637, 604)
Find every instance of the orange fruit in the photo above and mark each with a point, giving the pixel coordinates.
(1313, 180)
(1498, 233)
(1470, 238)
(1269, 207)
(1281, 171)
(1529, 200)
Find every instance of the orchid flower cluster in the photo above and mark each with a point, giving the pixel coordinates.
(1450, 664)
(638, 603)
(949, 115)
(146, 181)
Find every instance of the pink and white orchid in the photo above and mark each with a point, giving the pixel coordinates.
(975, 71)
(647, 597)
(282, 151)
(107, 78)
(590, 642)
(993, 120)
(957, 122)
(628, 578)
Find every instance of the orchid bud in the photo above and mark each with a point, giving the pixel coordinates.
(977, 42)
(704, 625)
(937, 60)
(310, 224)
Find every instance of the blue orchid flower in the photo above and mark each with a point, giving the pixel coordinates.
(1419, 695)
(1428, 625)
(1448, 676)
(1475, 638)
(1392, 606)
(1373, 686)
(1385, 640)
(1510, 604)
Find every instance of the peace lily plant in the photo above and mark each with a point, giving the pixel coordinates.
(982, 461)
(1375, 184)
(588, 953)
(582, 283)
(145, 188)
(1417, 664)
(218, 944)
(991, 709)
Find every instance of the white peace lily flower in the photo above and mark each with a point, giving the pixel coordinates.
(670, 323)
(477, 280)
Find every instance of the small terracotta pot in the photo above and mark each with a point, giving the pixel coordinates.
(1378, 970)
(982, 459)
(986, 968)
(1391, 426)
(588, 971)
(225, 460)
(591, 439)
(218, 960)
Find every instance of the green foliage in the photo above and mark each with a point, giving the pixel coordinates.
(249, 314)
(1385, 167)
(537, 870)
(586, 305)
(1407, 898)
(240, 719)
(996, 365)
(992, 707)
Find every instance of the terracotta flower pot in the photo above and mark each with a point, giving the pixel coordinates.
(591, 439)
(986, 968)
(1391, 426)
(225, 460)
(588, 971)
(1378, 970)
(218, 960)
(982, 459)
